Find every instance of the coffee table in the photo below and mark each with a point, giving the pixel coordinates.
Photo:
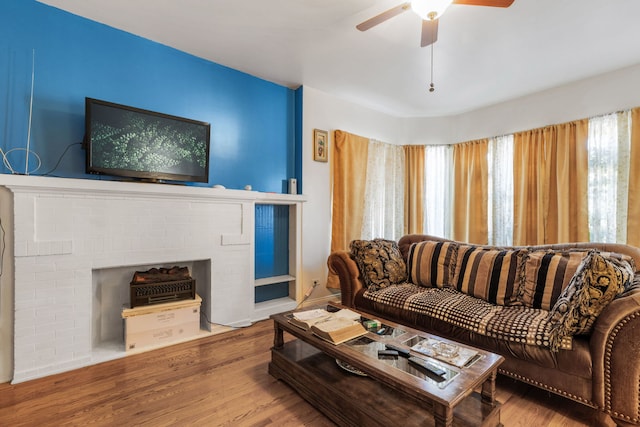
(388, 390)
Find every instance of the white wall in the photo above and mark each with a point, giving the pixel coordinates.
(586, 98)
(602, 94)
(326, 112)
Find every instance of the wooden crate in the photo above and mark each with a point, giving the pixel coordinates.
(161, 324)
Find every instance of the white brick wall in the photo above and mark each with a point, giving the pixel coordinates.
(65, 230)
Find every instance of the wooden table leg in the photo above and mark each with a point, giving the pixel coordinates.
(278, 336)
(443, 415)
(489, 390)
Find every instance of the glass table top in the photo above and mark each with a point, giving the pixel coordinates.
(371, 347)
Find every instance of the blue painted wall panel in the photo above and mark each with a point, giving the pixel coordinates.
(271, 249)
(253, 136)
(266, 293)
(271, 241)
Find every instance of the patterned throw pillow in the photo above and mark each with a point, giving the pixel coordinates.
(380, 262)
(432, 263)
(620, 257)
(597, 282)
(546, 274)
(490, 274)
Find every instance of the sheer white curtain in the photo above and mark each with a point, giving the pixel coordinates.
(384, 192)
(501, 190)
(438, 177)
(609, 151)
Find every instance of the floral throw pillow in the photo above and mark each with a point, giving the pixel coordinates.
(597, 281)
(380, 262)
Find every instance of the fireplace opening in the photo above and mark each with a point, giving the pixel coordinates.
(112, 294)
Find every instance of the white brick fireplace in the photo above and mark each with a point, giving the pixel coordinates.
(76, 243)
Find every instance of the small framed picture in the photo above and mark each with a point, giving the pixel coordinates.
(320, 145)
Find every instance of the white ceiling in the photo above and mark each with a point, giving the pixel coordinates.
(483, 55)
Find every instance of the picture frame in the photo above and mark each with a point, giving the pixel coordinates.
(320, 145)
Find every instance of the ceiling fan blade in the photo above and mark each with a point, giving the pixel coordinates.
(429, 32)
(364, 26)
(492, 3)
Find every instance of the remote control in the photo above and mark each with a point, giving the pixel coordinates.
(332, 308)
(427, 365)
(401, 351)
(387, 353)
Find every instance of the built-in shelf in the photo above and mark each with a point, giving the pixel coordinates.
(275, 279)
(291, 254)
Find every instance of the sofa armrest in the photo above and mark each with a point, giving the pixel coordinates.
(615, 348)
(341, 264)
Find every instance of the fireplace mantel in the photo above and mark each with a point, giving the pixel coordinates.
(69, 242)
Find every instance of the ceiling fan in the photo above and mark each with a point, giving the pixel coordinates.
(430, 11)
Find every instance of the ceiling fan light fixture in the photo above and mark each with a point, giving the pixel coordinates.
(430, 9)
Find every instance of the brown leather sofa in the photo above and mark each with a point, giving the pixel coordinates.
(601, 370)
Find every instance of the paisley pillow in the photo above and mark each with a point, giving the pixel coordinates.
(597, 281)
(380, 262)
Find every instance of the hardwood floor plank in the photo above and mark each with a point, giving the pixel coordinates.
(221, 380)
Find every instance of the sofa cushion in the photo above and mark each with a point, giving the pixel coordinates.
(432, 263)
(546, 274)
(576, 361)
(518, 324)
(597, 282)
(380, 262)
(493, 275)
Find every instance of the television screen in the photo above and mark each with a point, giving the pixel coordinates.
(131, 142)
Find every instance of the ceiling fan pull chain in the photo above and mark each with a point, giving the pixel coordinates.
(431, 86)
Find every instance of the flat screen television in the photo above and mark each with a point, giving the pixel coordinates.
(135, 143)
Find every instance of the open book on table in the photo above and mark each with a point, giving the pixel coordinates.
(336, 327)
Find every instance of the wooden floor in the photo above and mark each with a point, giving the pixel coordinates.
(220, 380)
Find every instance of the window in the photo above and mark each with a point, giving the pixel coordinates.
(500, 200)
(384, 192)
(438, 190)
(608, 177)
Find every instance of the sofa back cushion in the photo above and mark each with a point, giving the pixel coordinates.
(380, 262)
(432, 263)
(546, 274)
(490, 274)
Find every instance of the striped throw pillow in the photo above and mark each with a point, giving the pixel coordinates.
(489, 274)
(546, 275)
(431, 263)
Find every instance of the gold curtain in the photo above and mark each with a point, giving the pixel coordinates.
(470, 194)
(414, 189)
(348, 167)
(633, 214)
(550, 184)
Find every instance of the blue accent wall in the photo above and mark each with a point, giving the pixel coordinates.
(298, 137)
(254, 134)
